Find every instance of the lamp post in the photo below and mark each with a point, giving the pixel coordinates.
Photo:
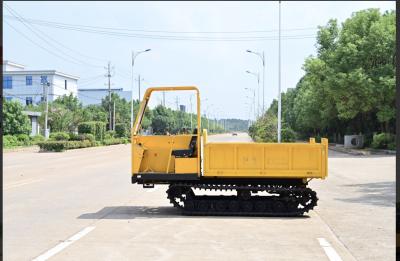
(134, 55)
(258, 91)
(254, 99)
(207, 118)
(279, 84)
(262, 57)
(249, 120)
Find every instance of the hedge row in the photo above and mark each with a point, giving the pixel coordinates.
(64, 136)
(58, 146)
(11, 141)
(114, 141)
(384, 141)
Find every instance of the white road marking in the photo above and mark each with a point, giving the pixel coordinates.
(63, 245)
(20, 183)
(329, 250)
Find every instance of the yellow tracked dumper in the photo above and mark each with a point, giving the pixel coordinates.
(256, 179)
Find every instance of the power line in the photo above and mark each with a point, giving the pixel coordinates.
(181, 38)
(31, 28)
(48, 23)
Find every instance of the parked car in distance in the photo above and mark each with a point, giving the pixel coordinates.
(234, 134)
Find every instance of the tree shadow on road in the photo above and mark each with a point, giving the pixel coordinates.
(132, 212)
(378, 194)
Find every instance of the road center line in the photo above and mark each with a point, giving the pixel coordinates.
(329, 250)
(63, 245)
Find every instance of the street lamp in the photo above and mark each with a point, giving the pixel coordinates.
(258, 91)
(279, 84)
(206, 113)
(254, 99)
(134, 55)
(262, 57)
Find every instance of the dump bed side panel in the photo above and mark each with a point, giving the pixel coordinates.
(285, 160)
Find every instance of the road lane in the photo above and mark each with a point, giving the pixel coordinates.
(91, 187)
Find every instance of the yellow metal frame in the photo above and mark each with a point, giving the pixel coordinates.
(143, 105)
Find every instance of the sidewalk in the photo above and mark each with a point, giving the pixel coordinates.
(34, 148)
(360, 152)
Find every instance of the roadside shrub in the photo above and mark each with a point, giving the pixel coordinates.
(89, 137)
(121, 129)
(59, 136)
(100, 130)
(82, 137)
(79, 144)
(115, 141)
(36, 139)
(52, 145)
(58, 146)
(109, 134)
(23, 139)
(288, 135)
(96, 128)
(10, 141)
(73, 136)
(384, 141)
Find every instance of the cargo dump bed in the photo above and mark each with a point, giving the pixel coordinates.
(262, 160)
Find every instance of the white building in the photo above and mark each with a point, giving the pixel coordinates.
(26, 86)
(94, 96)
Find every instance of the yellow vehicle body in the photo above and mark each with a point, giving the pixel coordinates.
(153, 154)
(255, 160)
(188, 161)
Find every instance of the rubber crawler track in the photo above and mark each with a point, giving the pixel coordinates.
(283, 200)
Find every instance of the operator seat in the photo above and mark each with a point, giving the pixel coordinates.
(187, 153)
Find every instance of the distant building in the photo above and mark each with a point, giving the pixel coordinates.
(26, 86)
(94, 96)
(182, 108)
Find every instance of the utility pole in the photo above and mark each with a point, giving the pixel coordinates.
(163, 98)
(114, 116)
(191, 114)
(133, 83)
(263, 99)
(139, 80)
(109, 94)
(45, 97)
(279, 72)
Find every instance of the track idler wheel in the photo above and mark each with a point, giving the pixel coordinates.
(204, 205)
(233, 206)
(247, 206)
(221, 206)
(278, 206)
(260, 206)
(189, 205)
(244, 194)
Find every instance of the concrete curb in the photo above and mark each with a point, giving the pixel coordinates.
(365, 152)
(20, 149)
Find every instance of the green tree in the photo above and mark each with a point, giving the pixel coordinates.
(349, 87)
(14, 121)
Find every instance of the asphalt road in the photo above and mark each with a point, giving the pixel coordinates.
(80, 205)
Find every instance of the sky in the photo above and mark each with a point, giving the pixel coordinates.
(192, 43)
